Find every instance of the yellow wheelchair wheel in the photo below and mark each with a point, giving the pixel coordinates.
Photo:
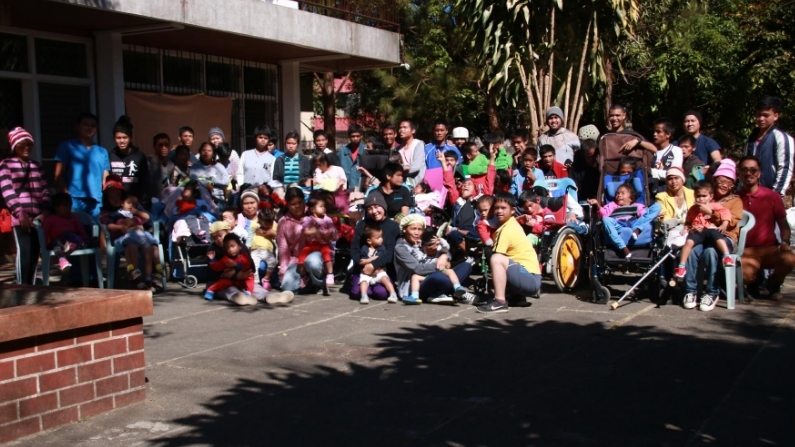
(567, 256)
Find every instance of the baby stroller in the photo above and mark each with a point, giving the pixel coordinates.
(648, 251)
(187, 256)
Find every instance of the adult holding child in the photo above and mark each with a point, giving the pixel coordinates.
(376, 216)
(291, 239)
(723, 182)
(210, 174)
(23, 186)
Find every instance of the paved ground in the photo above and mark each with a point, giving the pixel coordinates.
(328, 371)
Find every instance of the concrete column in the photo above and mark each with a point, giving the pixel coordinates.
(110, 84)
(291, 97)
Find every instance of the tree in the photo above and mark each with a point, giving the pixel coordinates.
(540, 52)
(328, 97)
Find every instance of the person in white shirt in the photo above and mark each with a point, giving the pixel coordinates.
(256, 165)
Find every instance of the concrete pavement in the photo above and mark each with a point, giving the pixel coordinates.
(328, 371)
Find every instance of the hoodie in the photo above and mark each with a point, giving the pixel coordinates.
(133, 168)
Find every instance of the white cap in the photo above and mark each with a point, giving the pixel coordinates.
(460, 132)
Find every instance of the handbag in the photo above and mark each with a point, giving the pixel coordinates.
(5, 220)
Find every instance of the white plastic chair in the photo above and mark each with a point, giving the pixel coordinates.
(112, 255)
(734, 274)
(84, 254)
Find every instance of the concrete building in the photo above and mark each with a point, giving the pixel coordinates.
(61, 57)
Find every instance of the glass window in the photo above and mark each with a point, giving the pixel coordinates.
(142, 70)
(258, 113)
(56, 57)
(60, 106)
(13, 52)
(182, 74)
(10, 110)
(260, 81)
(223, 77)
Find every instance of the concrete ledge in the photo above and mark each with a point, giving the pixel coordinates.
(27, 311)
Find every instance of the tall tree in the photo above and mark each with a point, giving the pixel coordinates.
(543, 53)
(328, 96)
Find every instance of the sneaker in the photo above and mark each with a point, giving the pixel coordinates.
(329, 280)
(142, 285)
(364, 300)
(689, 301)
(708, 302)
(493, 306)
(133, 273)
(209, 295)
(441, 299)
(468, 298)
(728, 261)
(411, 300)
(392, 299)
(266, 284)
(459, 292)
(279, 297)
(680, 272)
(243, 299)
(64, 265)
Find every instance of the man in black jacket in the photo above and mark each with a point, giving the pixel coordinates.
(129, 163)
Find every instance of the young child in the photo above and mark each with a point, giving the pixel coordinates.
(486, 225)
(483, 170)
(433, 247)
(188, 208)
(230, 218)
(625, 196)
(424, 198)
(63, 231)
(262, 246)
(234, 256)
(534, 215)
(372, 248)
(325, 170)
(527, 174)
(319, 232)
(129, 216)
(626, 166)
(502, 181)
(706, 221)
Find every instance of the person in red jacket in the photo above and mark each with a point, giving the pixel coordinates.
(234, 257)
(552, 168)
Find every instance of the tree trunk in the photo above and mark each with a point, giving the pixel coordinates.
(329, 96)
(491, 110)
(608, 87)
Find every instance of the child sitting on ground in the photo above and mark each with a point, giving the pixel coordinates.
(372, 248)
(433, 247)
(625, 196)
(63, 231)
(706, 223)
(234, 257)
(262, 246)
(319, 232)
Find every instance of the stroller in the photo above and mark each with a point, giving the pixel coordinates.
(648, 251)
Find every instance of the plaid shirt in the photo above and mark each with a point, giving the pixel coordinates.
(24, 188)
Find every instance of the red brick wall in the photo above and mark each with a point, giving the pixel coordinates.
(55, 379)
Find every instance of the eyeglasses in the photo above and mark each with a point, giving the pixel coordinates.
(749, 170)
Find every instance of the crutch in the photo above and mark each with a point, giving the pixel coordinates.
(615, 304)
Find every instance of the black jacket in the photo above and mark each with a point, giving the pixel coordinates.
(391, 232)
(305, 170)
(133, 168)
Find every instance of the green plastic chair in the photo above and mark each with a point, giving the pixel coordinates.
(734, 274)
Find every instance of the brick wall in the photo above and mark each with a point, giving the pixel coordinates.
(54, 379)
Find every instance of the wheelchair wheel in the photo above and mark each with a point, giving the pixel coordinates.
(566, 260)
(601, 295)
(191, 281)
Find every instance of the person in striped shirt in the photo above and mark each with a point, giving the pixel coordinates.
(25, 192)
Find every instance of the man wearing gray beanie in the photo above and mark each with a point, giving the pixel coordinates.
(563, 140)
(215, 137)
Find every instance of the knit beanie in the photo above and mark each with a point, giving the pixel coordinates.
(697, 114)
(217, 131)
(17, 135)
(412, 219)
(123, 125)
(249, 193)
(555, 111)
(375, 198)
(727, 169)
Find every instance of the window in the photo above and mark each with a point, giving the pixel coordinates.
(142, 69)
(10, 110)
(260, 81)
(60, 106)
(59, 58)
(184, 75)
(13, 53)
(223, 77)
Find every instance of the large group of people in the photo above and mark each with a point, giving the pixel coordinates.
(407, 215)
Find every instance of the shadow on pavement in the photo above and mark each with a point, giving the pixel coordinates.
(522, 382)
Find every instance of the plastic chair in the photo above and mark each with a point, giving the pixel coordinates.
(734, 274)
(84, 254)
(113, 256)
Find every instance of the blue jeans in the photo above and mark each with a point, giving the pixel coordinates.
(437, 283)
(87, 205)
(314, 267)
(709, 256)
(613, 227)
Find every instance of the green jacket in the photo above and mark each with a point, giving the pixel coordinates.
(480, 165)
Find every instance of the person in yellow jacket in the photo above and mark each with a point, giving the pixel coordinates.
(676, 199)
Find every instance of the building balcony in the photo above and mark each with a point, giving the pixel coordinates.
(381, 14)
